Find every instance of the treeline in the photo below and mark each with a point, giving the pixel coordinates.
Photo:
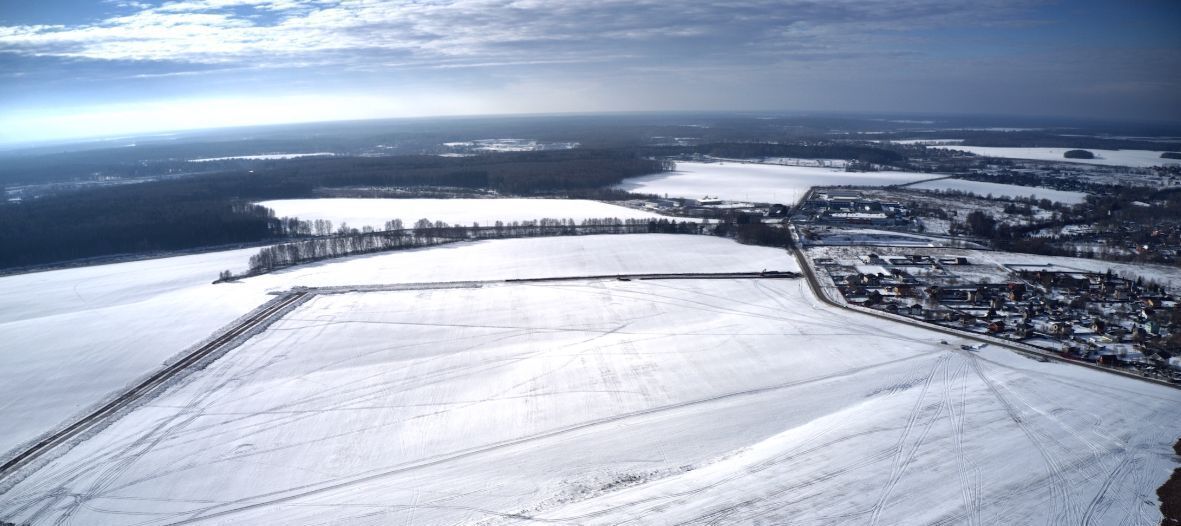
(518, 173)
(758, 150)
(1036, 139)
(215, 209)
(112, 221)
(425, 233)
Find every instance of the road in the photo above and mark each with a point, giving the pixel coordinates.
(148, 386)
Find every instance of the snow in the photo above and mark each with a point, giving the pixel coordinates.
(73, 337)
(375, 212)
(601, 402)
(989, 266)
(1130, 158)
(756, 182)
(981, 188)
(928, 142)
(265, 157)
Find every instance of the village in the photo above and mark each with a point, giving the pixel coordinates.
(1098, 317)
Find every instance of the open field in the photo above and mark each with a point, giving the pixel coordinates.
(599, 402)
(74, 337)
(981, 188)
(1131, 158)
(756, 182)
(264, 157)
(375, 212)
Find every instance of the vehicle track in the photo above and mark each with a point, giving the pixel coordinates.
(144, 388)
(290, 494)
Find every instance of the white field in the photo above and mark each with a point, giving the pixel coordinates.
(375, 212)
(1130, 158)
(928, 142)
(264, 157)
(756, 182)
(602, 402)
(1002, 190)
(73, 337)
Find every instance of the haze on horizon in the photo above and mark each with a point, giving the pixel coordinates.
(84, 68)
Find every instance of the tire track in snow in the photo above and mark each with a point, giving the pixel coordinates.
(903, 458)
(969, 472)
(298, 492)
(1061, 503)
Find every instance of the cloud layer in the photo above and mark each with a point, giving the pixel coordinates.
(474, 32)
(503, 56)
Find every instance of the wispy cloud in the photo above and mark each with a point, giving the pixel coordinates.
(493, 31)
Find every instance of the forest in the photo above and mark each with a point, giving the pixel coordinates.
(215, 209)
(756, 150)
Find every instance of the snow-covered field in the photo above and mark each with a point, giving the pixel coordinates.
(1132, 158)
(756, 182)
(265, 157)
(601, 402)
(1001, 190)
(375, 212)
(928, 142)
(72, 337)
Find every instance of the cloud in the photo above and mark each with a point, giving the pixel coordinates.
(434, 32)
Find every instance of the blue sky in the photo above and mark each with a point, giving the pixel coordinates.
(72, 68)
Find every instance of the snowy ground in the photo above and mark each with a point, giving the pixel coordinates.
(375, 212)
(988, 266)
(72, 337)
(1001, 190)
(264, 157)
(868, 236)
(601, 402)
(1132, 158)
(756, 182)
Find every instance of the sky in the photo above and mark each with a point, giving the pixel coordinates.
(74, 68)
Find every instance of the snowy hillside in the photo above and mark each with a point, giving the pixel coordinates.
(73, 337)
(600, 402)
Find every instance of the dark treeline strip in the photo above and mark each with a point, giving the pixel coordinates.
(525, 173)
(427, 233)
(756, 150)
(1036, 139)
(215, 209)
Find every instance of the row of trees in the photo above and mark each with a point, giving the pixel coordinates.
(348, 241)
